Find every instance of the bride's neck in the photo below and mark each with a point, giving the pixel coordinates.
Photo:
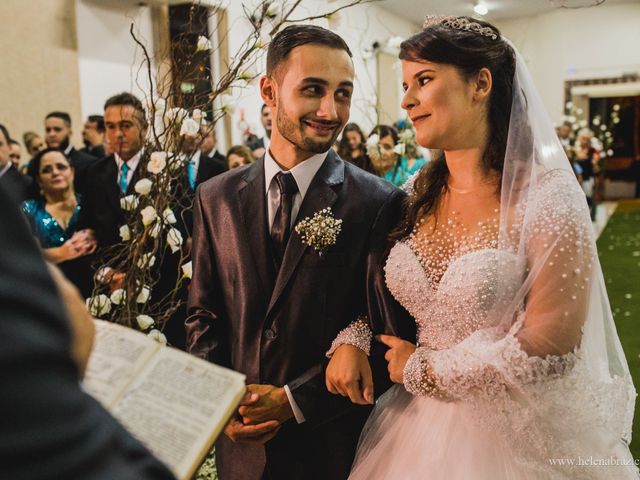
(465, 168)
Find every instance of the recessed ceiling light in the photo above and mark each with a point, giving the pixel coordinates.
(481, 9)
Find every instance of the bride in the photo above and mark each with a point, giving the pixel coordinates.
(518, 372)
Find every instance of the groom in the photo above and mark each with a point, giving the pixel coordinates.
(267, 304)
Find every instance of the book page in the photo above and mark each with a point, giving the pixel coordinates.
(177, 407)
(118, 354)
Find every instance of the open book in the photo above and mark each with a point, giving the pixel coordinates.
(174, 403)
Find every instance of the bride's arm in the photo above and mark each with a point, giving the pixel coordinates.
(540, 341)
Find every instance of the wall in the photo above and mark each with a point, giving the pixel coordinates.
(595, 42)
(109, 61)
(39, 58)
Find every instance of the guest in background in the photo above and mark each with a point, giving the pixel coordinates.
(16, 153)
(54, 219)
(58, 135)
(352, 147)
(93, 136)
(391, 158)
(239, 155)
(588, 158)
(33, 143)
(564, 133)
(16, 184)
(258, 147)
(209, 144)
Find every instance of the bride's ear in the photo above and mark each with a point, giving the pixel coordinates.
(482, 84)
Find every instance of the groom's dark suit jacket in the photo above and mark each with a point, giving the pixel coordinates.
(276, 327)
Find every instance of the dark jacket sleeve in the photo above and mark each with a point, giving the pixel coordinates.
(385, 314)
(206, 321)
(50, 427)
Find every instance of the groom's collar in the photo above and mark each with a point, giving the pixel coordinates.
(303, 173)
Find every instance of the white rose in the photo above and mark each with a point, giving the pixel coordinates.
(227, 103)
(174, 239)
(118, 296)
(187, 270)
(198, 115)
(143, 186)
(169, 216)
(148, 215)
(273, 10)
(204, 44)
(399, 149)
(129, 203)
(157, 162)
(156, 229)
(143, 296)
(189, 127)
(146, 260)
(373, 140)
(125, 233)
(144, 321)
(158, 336)
(99, 305)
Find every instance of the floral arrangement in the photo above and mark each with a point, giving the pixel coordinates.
(320, 231)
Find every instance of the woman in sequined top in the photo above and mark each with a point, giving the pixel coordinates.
(54, 215)
(517, 371)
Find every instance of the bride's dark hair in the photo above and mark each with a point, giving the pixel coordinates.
(468, 51)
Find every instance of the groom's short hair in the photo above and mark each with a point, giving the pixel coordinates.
(297, 35)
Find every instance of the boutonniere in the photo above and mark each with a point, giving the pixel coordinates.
(320, 231)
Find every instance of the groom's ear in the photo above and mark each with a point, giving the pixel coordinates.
(268, 90)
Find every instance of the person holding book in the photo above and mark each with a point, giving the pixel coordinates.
(270, 307)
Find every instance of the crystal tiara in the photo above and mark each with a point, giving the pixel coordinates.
(459, 24)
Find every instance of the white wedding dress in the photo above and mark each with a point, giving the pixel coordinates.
(496, 412)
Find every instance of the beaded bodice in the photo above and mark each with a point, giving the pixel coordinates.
(450, 289)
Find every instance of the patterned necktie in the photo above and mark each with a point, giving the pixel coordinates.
(280, 230)
(124, 169)
(191, 172)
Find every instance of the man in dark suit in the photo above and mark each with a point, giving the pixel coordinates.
(93, 136)
(50, 427)
(268, 304)
(209, 145)
(57, 127)
(15, 182)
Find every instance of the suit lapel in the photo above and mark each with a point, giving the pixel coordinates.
(253, 206)
(109, 179)
(319, 196)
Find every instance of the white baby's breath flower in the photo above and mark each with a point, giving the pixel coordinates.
(169, 216)
(146, 260)
(129, 203)
(158, 336)
(125, 233)
(157, 162)
(118, 296)
(320, 231)
(148, 215)
(174, 239)
(144, 322)
(143, 186)
(189, 127)
(203, 44)
(99, 305)
(187, 269)
(144, 294)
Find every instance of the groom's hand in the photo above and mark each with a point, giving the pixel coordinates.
(259, 433)
(271, 403)
(349, 374)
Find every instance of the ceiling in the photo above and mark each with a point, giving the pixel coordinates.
(415, 10)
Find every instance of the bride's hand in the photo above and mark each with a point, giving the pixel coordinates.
(397, 355)
(349, 374)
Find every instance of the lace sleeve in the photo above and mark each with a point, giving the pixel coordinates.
(357, 334)
(543, 338)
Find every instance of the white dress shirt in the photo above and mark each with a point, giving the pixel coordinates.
(303, 174)
(132, 164)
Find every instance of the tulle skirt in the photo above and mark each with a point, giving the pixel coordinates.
(409, 437)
